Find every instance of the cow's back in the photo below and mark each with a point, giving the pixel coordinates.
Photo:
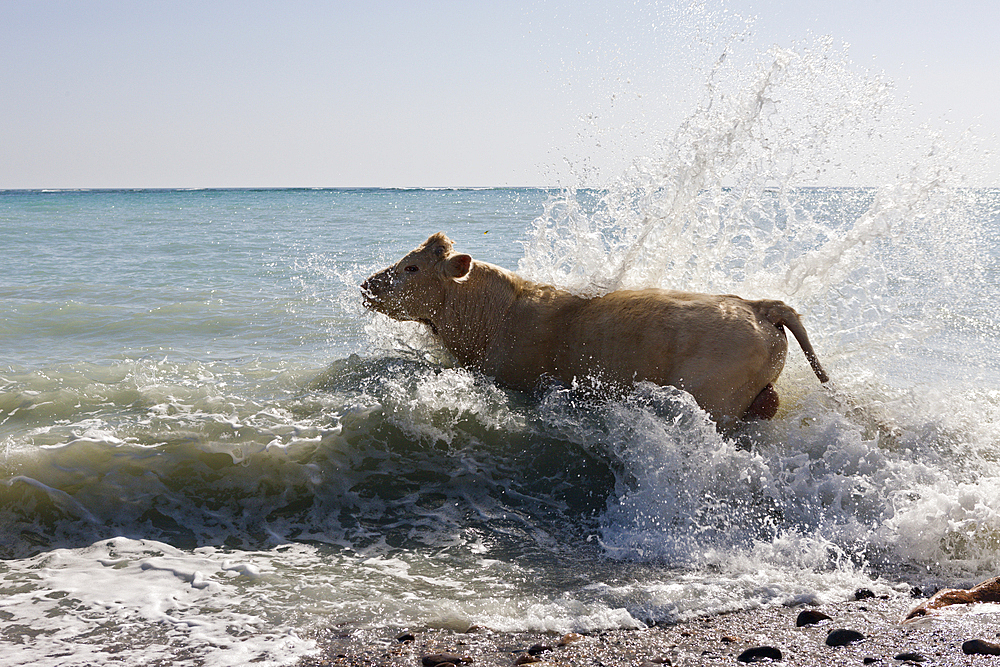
(718, 348)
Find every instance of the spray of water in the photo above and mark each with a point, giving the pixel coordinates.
(799, 176)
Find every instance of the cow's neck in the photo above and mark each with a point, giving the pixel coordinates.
(475, 314)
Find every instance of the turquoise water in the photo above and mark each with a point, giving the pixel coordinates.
(214, 274)
(210, 444)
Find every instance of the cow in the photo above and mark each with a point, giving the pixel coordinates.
(724, 350)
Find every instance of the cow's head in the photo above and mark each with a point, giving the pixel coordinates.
(414, 288)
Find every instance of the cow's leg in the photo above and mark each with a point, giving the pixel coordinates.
(765, 406)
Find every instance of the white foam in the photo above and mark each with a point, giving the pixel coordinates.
(123, 601)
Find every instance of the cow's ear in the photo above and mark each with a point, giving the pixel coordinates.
(458, 266)
(438, 243)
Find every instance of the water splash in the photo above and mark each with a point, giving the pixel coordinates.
(724, 203)
(799, 176)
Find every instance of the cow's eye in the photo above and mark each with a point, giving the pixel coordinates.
(412, 269)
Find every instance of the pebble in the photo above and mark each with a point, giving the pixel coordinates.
(843, 637)
(810, 617)
(527, 660)
(980, 647)
(570, 638)
(536, 649)
(443, 659)
(405, 638)
(758, 653)
(911, 657)
(863, 594)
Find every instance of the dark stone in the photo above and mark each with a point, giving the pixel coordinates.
(916, 592)
(758, 653)
(405, 637)
(911, 657)
(843, 637)
(863, 594)
(527, 660)
(439, 659)
(870, 660)
(980, 647)
(538, 649)
(810, 617)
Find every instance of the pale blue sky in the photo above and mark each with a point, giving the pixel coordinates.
(255, 94)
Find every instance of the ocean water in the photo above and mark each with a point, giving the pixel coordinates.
(211, 451)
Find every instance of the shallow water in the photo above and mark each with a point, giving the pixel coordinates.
(211, 450)
(280, 460)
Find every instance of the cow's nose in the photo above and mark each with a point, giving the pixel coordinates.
(375, 284)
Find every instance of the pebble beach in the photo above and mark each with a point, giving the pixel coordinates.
(876, 636)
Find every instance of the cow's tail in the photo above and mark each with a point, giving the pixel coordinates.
(781, 314)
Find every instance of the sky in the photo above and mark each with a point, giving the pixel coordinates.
(108, 94)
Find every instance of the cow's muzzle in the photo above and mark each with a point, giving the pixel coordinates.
(374, 289)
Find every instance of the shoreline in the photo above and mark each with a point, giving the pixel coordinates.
(713, 640)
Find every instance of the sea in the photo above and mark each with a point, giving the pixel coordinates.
(212, 452)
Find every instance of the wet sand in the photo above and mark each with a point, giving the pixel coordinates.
(716, 640)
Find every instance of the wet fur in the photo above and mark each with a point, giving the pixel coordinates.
(724, 350)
